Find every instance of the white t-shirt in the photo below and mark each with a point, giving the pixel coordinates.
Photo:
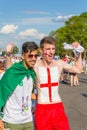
(17, 109)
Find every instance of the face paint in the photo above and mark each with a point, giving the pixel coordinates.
(46, 52)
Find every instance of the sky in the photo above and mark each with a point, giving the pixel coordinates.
(31, 20)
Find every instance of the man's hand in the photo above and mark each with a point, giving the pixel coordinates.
(33, 96)
(1, 125)
(75, 44)
(9, 48)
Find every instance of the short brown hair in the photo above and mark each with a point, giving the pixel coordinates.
(47, 39)
(29, 46)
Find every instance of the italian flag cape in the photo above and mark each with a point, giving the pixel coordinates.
(12, 77)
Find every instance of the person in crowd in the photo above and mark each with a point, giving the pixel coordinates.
(50, 114)
(64, 74)
(9, 50)
(74, 81)
(86, 67)
(72, 75)
(15, 91)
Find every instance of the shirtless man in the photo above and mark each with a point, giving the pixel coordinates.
(50, 113)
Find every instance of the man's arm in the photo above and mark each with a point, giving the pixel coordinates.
(9, 49)
(1, 125)
(8, 61)
(77, 68)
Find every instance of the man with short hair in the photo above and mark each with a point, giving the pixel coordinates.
(50, 114)
(15, 91)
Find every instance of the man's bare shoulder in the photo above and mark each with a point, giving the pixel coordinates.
(37, 63)
(60, 62)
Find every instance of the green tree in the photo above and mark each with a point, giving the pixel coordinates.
(75, 29)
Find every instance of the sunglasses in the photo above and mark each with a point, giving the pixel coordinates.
(31, 56)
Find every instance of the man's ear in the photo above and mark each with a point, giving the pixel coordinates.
(41, 50)
(23, 55)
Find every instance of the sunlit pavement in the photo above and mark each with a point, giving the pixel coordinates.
(75, 103)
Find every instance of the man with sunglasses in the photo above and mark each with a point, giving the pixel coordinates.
(50, 113)
(15, 91)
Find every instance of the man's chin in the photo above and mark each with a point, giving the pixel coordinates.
(32, 65)
(51, 59)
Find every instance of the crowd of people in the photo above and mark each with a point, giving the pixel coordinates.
(43, 74)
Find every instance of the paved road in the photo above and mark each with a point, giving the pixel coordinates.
(75, 103)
